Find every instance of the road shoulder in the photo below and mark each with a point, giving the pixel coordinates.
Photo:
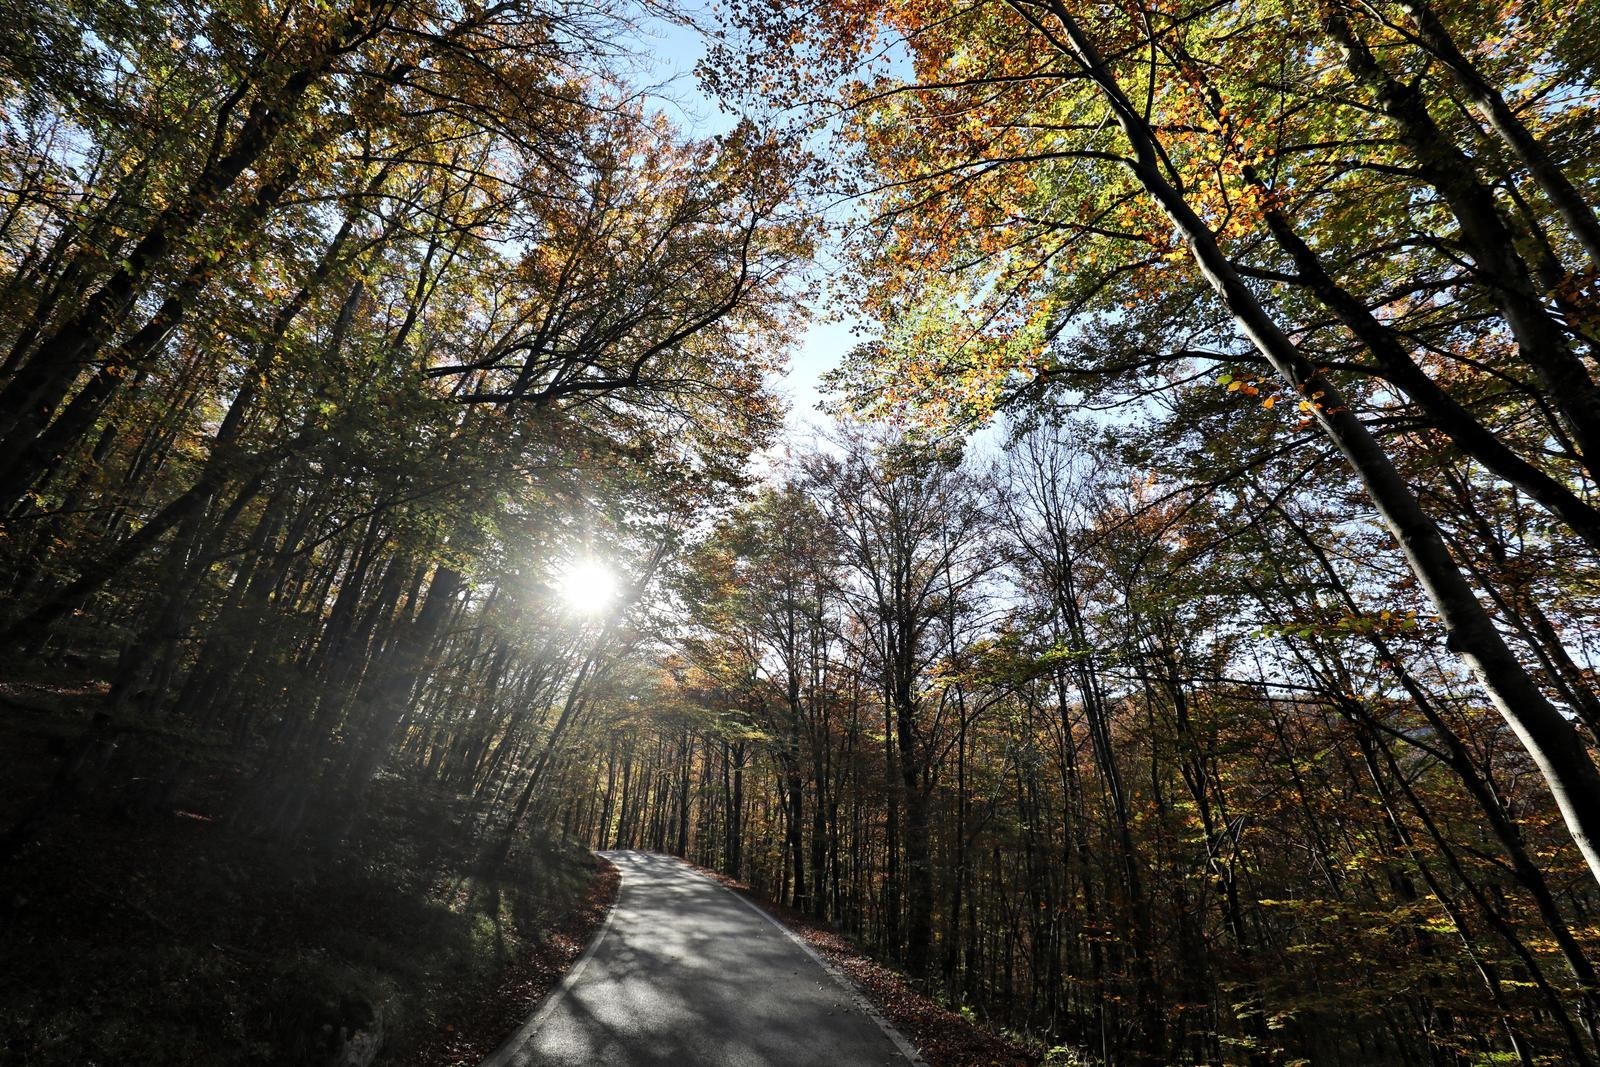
(941, 1037)
(530, 985)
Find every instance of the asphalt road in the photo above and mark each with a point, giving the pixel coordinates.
(688, 974)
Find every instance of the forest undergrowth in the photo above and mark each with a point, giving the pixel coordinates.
(396, 497)
(142, 932)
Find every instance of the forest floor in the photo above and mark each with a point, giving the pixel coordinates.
(945, 1038)
(140, 933)
(138, 936)
(485, 1020)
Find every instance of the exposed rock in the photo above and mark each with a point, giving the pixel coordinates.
(360, 1032)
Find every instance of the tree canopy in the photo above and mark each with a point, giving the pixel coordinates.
(389, 391)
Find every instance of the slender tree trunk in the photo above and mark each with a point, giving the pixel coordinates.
(1546, 735)
(1567, 199)
(1567, 382)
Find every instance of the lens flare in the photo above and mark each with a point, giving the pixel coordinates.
(588, 587)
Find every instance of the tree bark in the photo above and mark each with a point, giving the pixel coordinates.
(1545, 734)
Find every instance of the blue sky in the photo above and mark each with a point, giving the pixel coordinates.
(668, 54)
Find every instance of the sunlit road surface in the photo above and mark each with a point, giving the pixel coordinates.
(688, 974)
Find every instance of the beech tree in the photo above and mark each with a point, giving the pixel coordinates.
(1233, 702)
(1081, 153)
(309, 317)
(912, 532)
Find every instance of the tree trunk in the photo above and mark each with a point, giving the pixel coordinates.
(1546, 735)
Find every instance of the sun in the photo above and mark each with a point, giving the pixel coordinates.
(588, 586)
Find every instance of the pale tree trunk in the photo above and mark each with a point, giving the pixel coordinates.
(1487, 238)
(1546, 735)
(1491, 104)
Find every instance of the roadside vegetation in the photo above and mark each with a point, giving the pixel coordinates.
(395, 499)
(167, 937)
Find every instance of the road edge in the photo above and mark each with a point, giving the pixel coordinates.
(845, 982)
(504, 1055)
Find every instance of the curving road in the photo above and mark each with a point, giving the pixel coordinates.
(687, 974)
